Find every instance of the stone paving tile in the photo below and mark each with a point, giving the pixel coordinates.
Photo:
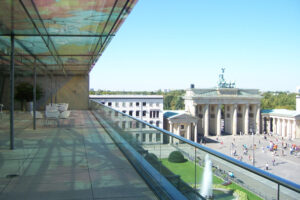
(74, 161)
(58, 190)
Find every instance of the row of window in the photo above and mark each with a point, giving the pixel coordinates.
(150, 135)
(133, 124)
(117, 104)
(153, 114)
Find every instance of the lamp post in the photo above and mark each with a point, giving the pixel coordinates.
(253, 162)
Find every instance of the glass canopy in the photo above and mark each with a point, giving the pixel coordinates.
(58, 36)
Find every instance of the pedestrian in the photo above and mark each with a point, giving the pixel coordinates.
(273, 161)
(267, 166)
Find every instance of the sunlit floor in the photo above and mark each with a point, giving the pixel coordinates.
(77, 160)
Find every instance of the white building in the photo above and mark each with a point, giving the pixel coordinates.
(282, 122)
(148, 108)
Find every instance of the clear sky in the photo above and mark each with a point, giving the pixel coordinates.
(169, 44)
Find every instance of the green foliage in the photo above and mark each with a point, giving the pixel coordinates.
(24, 92)
(279, 100)
(176, 157)
(241, 195)
(151, 158)
(172, 100)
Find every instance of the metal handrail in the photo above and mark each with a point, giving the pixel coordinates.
(281, 181)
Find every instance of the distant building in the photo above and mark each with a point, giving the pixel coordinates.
(145, 107)
(224, 109)
(148, 108)
(181, 123)
(282, 122)
(216, 111)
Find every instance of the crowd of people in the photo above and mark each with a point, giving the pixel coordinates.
(269, 144)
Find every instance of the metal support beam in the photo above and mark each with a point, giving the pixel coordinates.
(34, 97)
(12, 92)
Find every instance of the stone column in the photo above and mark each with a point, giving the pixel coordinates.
(206, 120)
(288, 130)
(234, 120)
(283, 133)
(218, 121)
(195, 133)
(246, 119)
(257, 118)
(293, 129)
(188, 131)
(274, 125)
(279, 125)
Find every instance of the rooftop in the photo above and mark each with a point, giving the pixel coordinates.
(77, 160)
(281, 112)
(126, 96)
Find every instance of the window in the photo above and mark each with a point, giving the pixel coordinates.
(153, 114)
(150, 114)
(124, 111)
(117, 104)
(144, 103)
(123, 124)
(143, 125)
(151, 122)
(138, 125)
(239, 108)
(137, 103)
(157, 137)
(130, 125)
(144, 113)
(123, 104)
(157, 114)
(157, 104)
(109, 103)
(212, 108)
(137, 136)
(116, 114)
(157, 123)
(250, 108)
(130, 104)
(137, 113)
(200, 108)
(144, 137)
(228, 108)
(130, 112)
(181, 126)
(103, 103)
(150, 137)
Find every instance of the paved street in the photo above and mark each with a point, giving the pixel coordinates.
(286, 166)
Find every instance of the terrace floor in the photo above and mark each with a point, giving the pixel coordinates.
(77, 160)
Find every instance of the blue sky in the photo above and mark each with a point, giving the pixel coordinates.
(169, 44)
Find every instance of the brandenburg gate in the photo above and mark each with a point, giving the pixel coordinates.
(224, 109)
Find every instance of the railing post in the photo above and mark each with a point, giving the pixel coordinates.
(34, 96)
(278, 191)
(12, 91)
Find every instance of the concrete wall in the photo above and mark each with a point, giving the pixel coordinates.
(64, 89)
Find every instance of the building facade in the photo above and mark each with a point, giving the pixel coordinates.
(224, 110)
(181, 123)
(282, 122)
(148, 108)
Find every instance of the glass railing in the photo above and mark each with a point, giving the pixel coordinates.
(177, 168)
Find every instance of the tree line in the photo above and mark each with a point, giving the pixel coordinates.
(173, 100)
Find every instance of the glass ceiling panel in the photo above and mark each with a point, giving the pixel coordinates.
(60, 32)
